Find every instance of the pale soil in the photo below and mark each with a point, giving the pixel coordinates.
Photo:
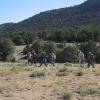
(18, 85)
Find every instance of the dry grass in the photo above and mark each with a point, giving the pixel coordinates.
(16, 83)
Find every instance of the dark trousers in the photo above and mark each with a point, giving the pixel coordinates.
(53, 62)
(29, 61)
(90, 63)
(43, 61)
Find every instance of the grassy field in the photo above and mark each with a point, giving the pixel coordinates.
(61, 82)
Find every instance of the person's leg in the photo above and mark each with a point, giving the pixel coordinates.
(83, 63)
(80, 62)
(28, 61)
(88, 64)
(35, 61)
(31, 61)
(92, 64)
(41, 62)
(45, 62)
(53, 62)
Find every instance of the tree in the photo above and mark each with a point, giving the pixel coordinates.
(6, 47)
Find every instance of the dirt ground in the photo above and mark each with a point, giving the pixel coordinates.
(59, 82)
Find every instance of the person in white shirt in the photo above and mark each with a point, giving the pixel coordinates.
(81, 58)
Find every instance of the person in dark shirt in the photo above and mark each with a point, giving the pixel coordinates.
(43, 59)
(34, 57)
(90, 59)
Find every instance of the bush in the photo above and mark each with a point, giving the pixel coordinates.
(67, 95)
(38, 45)
(79, 72)
(61, 74)
(37, 74)
(50, 46)
(64, 71)
(6, 47)
(97, 54)
(87, 90)
(18, 40)
(10, 58)
(69, 54)
(26, 49)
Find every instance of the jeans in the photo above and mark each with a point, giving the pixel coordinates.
(43, 61)
(53, 61)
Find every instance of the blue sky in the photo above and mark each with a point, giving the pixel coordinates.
(18, 10)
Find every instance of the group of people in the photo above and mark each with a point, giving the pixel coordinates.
(45, 58)
(89, 58)
(42, 58)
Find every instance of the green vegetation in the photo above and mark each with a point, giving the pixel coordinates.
(68, 54)
(12, 70)
(37, 74)
(67, 95)
(64, 71)
(51, 30)
(10, 58)
(79, 72)
(87, 90)
(82, 23)
(6, 49)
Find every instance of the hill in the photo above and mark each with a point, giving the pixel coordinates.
(86, 13)
(83, 14)
(64, 24)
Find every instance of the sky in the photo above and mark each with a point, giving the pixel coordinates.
(18, 10)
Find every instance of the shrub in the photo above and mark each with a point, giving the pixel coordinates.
(16, 69)
(61, 74)
(50, 46)
(26, 49)
(61, 45)
(18, 40)
(6, 47)
(10, 58)
(67, 95)
(87, 90)
(69, 54)
(79, 72)
(97, 54)
(64, 71)
(37, 74)
(38, 45)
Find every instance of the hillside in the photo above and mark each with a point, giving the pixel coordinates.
(83, 14)
(86, 13)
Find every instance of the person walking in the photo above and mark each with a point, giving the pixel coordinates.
(53, 58)
(34, 57)
(90, 59)
(29, 58)
(43, 59)
(81, 58)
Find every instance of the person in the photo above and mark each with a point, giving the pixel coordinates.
(81, 58)
(90, 59)
(43, 59)
(53, 58)
(34, 57)
(29, 57)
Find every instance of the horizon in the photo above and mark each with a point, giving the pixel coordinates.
(14, 11)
